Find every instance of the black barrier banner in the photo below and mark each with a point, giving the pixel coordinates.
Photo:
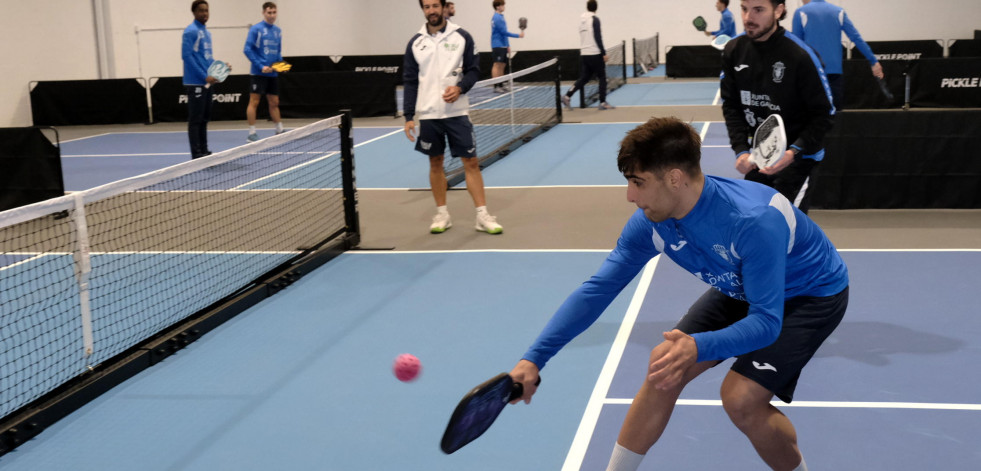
(388, 64)
(901, 160)
(862, 91)
(946, 83)
(168, 98)
(31, 166)
(903, 50)
(324, 94)
(76, 102)
(693, 61)
(964, 48)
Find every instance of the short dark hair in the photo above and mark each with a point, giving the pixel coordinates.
(442, 3)
(659, 145)
(196, 3)
(498, 3)
(269, 5)
(591, 5)
(780, 2)
(724, 2)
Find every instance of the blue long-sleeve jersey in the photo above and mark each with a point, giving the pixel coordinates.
(820, 25)
(742, 238)
(499, 32)
(727, 25)
(263, 46)
(196, 53)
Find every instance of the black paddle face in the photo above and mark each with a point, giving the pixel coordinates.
(478, 410)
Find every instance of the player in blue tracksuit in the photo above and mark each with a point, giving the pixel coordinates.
(778, 289)
(196, 52)
(592, 57)
(500, 44)
(820, 25)
(727, 25)
(263, 47)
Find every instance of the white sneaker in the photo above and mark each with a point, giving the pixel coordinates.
(441, 222)
(606, 106)
(487, 223)
(567, 102)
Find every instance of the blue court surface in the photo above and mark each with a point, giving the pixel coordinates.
(303, 380)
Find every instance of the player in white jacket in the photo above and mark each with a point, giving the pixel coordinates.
(440, 67)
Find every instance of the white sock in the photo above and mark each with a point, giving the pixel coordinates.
(442, 210)
(251, 129)
(481, 209)
(802, 466)
(624, 460)
(279, 126)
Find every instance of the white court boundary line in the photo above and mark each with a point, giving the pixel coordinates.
(158, 154)
(577, 452)
(824, 404)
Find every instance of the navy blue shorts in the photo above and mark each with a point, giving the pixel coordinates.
(807, 322)
(262, 85)
(499, 54)
(433, 134)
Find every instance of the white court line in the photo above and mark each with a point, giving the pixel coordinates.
(718, 97)
(396, 131)
(580, 443)
(826, 404)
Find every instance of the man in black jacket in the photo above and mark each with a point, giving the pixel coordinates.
(767, 71)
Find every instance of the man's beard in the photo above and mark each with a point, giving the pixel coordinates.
(762, 30)
(435, 20)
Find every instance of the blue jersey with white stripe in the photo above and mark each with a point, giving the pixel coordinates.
(196, 53)
(820, 25)
(263, 47)
(742, 238)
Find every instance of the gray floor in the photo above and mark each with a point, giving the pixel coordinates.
(589, 218)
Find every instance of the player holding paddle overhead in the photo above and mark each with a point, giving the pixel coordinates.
(264, 47)
(500, 44)
(440, 67)
(768, 71)
(592, 57)
(778, 290)
(196, 52)
(820, 25)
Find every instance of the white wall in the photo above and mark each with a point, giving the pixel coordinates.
(60, 35)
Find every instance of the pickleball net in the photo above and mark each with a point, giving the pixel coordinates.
(504, 119)
(646, 54)
(98, 275)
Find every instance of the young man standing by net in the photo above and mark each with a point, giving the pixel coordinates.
(263, 47)
(196, 52)
(592, 57)
(768, 71)
(440, 67)
(778, 289)
(820, 25)
(500, 44)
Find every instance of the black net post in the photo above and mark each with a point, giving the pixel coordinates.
(624, 43)
(347, 176)
(558, 90)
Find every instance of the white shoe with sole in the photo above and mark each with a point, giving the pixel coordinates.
(487, 223)
(441, 222)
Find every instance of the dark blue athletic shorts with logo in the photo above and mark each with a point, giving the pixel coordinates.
(263, 85)
(499, 54)
(433, 134)
(807, 322)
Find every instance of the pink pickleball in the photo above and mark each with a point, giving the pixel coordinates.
(406, 367)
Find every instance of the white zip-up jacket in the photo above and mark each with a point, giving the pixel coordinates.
(434, 62)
